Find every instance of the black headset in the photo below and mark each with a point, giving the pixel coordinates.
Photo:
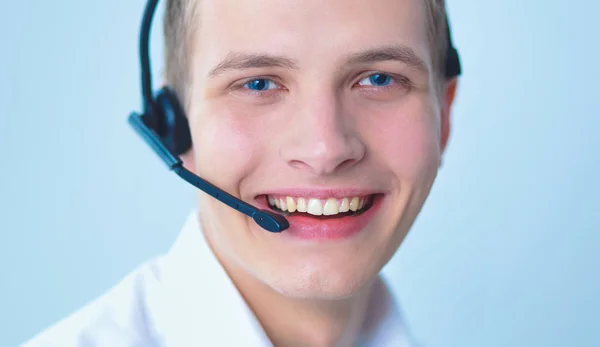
(163, 125)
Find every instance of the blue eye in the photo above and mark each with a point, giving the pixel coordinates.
(260, 84)
(378, 80)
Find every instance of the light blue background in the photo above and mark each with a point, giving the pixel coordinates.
(505, 253)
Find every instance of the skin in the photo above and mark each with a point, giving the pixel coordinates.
(321, 124)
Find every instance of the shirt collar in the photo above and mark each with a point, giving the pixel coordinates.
(199, 303)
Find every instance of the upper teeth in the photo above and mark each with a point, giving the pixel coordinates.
(316, 206)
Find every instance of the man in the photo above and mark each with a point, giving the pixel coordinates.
(334, 113)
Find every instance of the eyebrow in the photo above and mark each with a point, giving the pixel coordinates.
(245, 60)
(242, 60)
(400, 53)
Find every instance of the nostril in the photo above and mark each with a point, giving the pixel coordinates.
(346, 163)
(298, 164)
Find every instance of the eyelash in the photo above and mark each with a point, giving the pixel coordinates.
(396, 80)
(242, 85)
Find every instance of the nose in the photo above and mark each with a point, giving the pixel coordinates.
(322, 138)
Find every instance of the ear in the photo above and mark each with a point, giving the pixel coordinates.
(188, 160)
(448, 95)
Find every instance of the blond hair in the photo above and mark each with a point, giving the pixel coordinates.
(179, 27)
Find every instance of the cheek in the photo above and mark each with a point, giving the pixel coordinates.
(224, 145)
(406, 139)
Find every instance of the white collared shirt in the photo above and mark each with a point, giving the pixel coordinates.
(185, 298)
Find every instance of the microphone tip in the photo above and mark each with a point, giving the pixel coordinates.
(271, 221)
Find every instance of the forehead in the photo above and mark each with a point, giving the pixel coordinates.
(310, 31)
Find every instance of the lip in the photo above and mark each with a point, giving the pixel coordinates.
(307, 227)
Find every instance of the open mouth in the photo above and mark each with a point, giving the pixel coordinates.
(320, 208)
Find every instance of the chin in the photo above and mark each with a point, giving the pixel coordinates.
(331, 270)
(321, 282)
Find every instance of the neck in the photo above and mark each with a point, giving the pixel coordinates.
(303, 322)
(306, 322)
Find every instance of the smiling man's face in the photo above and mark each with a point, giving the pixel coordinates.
(326, 110)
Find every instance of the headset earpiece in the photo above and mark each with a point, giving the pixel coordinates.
(171, 122)
(452, 64)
